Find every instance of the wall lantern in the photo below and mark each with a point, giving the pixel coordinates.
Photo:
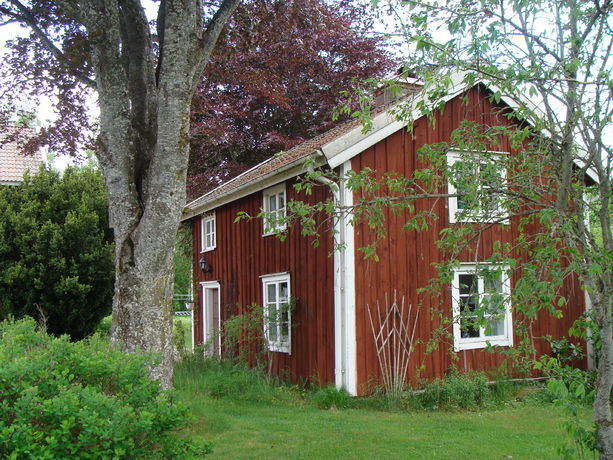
(205, 266)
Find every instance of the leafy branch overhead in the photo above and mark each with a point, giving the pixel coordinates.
(545, 67)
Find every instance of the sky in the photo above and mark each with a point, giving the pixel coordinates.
(43, 107)
(8, 32)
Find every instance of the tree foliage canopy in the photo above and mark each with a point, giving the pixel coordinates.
(546, 65)
(273, 81)
(550, 61)
(56, 251)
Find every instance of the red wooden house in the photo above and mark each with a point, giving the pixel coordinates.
(327, 336)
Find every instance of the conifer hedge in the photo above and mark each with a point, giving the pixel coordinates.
(56, 251)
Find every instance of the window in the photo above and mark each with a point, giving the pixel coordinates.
(478, 180)
(277, 312)
(481, 307)
(207, 236)
(274, 207)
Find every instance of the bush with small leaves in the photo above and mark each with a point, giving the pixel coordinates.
(56, 251)
(62, 399)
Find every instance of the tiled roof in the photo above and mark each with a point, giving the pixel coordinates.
(13, 164)
(281, 161)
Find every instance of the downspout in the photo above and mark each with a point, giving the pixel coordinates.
(344, 289)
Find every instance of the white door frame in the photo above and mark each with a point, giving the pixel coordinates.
(210, 285)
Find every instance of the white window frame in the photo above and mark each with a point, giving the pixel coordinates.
(470, 343)
(478, 215)
(208, 244)
(271, 226)
(277, 342)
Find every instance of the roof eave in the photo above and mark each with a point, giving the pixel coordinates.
(209, 201)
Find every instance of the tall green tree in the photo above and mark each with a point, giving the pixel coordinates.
(552, 59)
(144, 75)
(56, 251)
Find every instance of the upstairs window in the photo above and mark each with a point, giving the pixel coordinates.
(274, 209)
(478, 180)
(481, 307)
(277, 312)
(208, 239)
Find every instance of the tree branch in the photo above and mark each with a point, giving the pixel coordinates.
(28, 18)
(215, 26)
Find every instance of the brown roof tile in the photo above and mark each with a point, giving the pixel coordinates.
(13, 163)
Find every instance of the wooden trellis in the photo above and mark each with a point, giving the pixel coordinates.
(394, 341)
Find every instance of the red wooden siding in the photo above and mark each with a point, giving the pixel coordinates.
(243, 255)
(406, 257)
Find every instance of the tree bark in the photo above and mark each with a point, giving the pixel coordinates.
(143, 150)
(604, 379)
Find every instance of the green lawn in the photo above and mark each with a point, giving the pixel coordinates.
(249, 430)
(296, 430)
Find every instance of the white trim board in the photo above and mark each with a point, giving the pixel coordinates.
(204, 286)
(345, 344)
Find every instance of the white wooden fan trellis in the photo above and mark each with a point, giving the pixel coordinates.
(394, 340)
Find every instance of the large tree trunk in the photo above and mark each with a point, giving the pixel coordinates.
(143, 150)
(601, 303)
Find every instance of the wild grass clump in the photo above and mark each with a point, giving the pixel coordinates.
(454, 391)
(331, 398)
(62, 399)
(197, 375)
(216, 378)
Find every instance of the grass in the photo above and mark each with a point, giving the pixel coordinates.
(248, 418)
(251, 430)
(186, 321)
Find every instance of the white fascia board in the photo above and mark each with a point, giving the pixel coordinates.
(354, 142)
(526, 102)
(284, 173)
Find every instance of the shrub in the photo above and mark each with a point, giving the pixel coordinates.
(330, 397)
(62, 399)
(465, 391)
(56, 251)
(243, 336)
(575, 380)
(179, 335)
(104, 327)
